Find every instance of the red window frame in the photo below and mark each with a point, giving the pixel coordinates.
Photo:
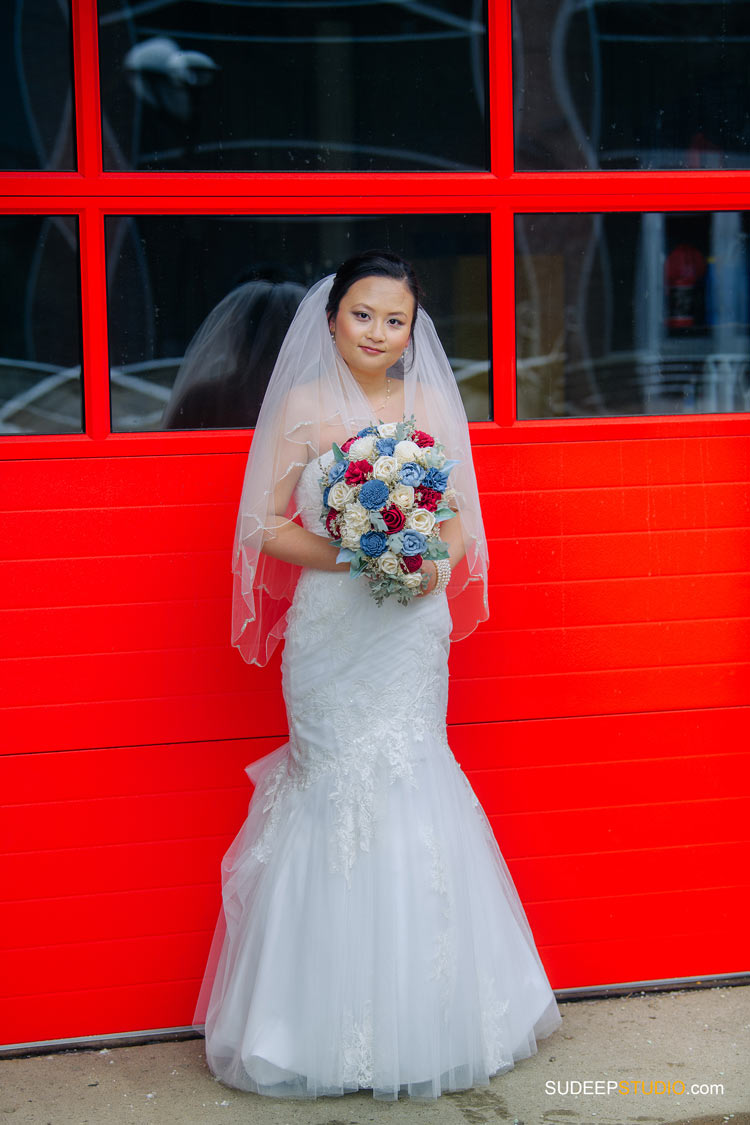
(91, 194)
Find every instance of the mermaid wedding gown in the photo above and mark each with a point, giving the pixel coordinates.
(374, 937)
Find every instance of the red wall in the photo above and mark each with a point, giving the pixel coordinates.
(601, 715)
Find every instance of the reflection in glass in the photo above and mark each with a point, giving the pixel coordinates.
(40, 339)
(171, 275)
(266, 86)
(631, 83)
(36, 127)
(632, 314)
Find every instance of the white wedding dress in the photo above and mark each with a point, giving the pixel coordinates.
(374, 937)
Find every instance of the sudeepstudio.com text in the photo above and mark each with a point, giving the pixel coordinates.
(656, 1087)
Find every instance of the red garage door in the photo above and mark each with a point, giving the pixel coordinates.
(587, 266)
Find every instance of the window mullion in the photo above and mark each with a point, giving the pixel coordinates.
(86, 78)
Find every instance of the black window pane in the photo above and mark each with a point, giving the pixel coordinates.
(267, 86)
(40, 337)
(168, 274)
(36, 80)
(632, 314)
(623, 84)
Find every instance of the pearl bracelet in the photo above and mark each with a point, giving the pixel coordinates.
(443, 568)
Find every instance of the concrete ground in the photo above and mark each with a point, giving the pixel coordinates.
(697, 1038)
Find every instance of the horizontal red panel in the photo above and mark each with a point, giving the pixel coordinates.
(188, 718)
(634, 914)
(598, 693)
(257, 714)
(81, 532)
(571, 464)
(70, 483)
(119, 820)
(597, 510)
(41, 922)
(586, 648)
(600, 738)
(204, 621)
(144, 673)
(556, 558)
(593, 874)
(121, 962)
(636, 783)
(129, 771)
(105, 869)
(610, 601)
(606, 829)
(138, 675)
(115, 579)
(649, 956)
(101, 1011)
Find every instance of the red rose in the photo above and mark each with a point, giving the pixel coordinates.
(410, 563)
(357, 472)
(428, 498)
(393, 518)
(332, 524)
(423, 440)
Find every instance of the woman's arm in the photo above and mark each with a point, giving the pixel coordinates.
(452, 535)
(292, 543)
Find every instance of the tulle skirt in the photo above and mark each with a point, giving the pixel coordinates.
(371, 934)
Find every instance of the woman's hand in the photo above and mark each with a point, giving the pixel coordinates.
(429, 569)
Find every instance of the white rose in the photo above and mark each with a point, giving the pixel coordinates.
(356, 519)
(421, 457)
(403, 496)
(388, 563)
(362, 449)
(340, 495)
(406, 451)
(421, 520)
(385, 469)
(413, 581)
(349, 540)
(387, 429)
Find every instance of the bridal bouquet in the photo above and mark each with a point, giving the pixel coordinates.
(384, 498)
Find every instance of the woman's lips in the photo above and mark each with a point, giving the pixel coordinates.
(371, 351)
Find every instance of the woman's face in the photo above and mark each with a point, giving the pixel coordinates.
(372, 326)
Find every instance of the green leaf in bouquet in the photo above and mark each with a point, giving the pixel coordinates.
(396, 543)
(435, 549)
(337, 454)
(378, 522)
(358, 563)
(345, 555)
(444, 514)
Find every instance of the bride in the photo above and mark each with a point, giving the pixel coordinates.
(371, 935)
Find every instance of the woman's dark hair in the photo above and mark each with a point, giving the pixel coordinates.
(372, 263)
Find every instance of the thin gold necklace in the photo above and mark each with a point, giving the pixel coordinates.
(387, 395)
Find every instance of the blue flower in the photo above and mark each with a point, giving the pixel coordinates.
(385, 446)
(373, 543)
(411, 473)
(336, 471)
(412, 542)
(367, 430)
(373, 494)
(325, 496)
(436, 479)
